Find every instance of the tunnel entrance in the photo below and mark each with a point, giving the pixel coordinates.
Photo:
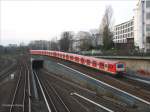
(37, 64)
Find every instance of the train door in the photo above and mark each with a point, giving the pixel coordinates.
(106, 66)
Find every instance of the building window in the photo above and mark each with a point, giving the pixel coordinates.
(148, 39)
(131, 34)
(128, 29)
(131, 23)
(148, 28)
(128, 34)
(128, 24)
(147, 3)
(147, 15)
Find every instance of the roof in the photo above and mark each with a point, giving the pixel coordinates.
(87, 57)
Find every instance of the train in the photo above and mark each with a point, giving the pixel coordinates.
(114, 68)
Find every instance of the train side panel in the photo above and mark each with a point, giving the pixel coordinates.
(102, 65)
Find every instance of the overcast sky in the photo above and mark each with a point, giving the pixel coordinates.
(23, 21)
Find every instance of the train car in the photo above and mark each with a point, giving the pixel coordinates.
(112, 67)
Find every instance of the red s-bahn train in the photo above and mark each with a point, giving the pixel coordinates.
(112, 67)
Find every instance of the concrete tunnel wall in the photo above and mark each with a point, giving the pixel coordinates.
(37, 64)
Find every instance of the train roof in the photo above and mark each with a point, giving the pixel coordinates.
(95, 59)
(87, 57)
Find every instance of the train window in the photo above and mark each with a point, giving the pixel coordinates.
(71, 57)
(67, 57)
(120, 66)
(110, 66)
(76, 59)
(101, 65)
(88, 62)
(82, 60)
(94, 63)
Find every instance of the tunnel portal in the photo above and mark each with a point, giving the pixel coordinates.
(37, 64)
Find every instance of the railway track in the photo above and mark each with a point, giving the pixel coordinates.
(127, 85)
(137, 81)
(143, 96)
(6, 72)
(6, 63)
(140, 94)
(65, 88)
(15, 89)
(129, 88)
(54, 101)
(20, 99)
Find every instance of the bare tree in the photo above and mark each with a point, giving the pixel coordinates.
(107, 18)
(66, 41)
(85, 40)
(106, 28)
(54, 44)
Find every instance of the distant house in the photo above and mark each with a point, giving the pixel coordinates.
(85, 40)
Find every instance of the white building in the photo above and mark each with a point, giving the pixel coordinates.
(124, 32)
(142, 25)
(137, 28)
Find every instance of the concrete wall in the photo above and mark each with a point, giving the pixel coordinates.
(137, 65)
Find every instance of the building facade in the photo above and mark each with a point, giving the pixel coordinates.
(137, 30)
(123, 33)
(142, 25)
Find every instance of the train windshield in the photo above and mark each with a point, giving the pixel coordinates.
(120, 65)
